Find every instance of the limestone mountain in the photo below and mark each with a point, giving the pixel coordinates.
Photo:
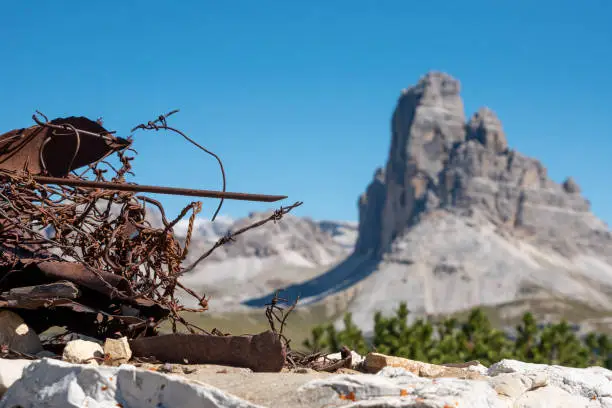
(457, 219)
(437, 161)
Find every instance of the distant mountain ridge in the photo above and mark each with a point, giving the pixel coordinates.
(343, 234)
(265, 258)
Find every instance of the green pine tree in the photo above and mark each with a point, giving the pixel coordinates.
(449, 341)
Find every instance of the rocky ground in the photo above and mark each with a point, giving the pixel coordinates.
(104, 374)
(393, 382)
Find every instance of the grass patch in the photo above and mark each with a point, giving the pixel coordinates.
(299, 324)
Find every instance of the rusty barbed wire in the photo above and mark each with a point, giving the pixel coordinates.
(230, 237)
(161, 124)
(107, 232)
(279, 314)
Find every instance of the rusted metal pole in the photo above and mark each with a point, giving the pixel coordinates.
(158, 190)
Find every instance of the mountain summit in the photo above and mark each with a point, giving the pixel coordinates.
(458, 219)
(437, 161)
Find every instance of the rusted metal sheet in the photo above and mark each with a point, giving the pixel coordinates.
(264, 352)
(106, 283)
(49, 149)
(41, 303)
(60, 289)
(41, 314)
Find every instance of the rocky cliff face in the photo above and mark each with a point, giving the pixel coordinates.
(437, 160)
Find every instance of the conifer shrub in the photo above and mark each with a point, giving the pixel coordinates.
(451, 341)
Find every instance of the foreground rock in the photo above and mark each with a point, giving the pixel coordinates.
(15, 334)
(117, 350)
(375, 362)
(83, 352)
(52, 383)
(507, 384)
(11, 371)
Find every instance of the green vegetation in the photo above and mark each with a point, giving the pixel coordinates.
(449, 340)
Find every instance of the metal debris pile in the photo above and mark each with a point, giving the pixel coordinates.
(79, 251)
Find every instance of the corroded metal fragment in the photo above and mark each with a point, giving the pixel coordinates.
(63, 145)
(264, 352)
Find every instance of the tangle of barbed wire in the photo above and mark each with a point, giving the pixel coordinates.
(108, 231)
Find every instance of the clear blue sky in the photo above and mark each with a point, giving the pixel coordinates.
(296, 96)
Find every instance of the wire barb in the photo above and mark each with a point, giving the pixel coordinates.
(161, 124)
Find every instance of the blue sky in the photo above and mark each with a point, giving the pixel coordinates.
(296, 96)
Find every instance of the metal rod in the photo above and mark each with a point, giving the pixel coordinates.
(157, 189)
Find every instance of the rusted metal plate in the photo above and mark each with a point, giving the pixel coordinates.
(106, 283)
(52, 148)
(60, 289)
(264, 352)
(39, 303)
(41, 314)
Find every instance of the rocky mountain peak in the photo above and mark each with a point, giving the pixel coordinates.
(371, 204)
(427, 123)
(437, 160)
(456, 219)
(429, 116)
(433, 89)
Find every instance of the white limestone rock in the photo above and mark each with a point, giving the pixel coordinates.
(11, 371)
(552, 397)
(589, 383)
(478, 368)
(396, 387)
(512, 384)
(57, 384)
(82, 352)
